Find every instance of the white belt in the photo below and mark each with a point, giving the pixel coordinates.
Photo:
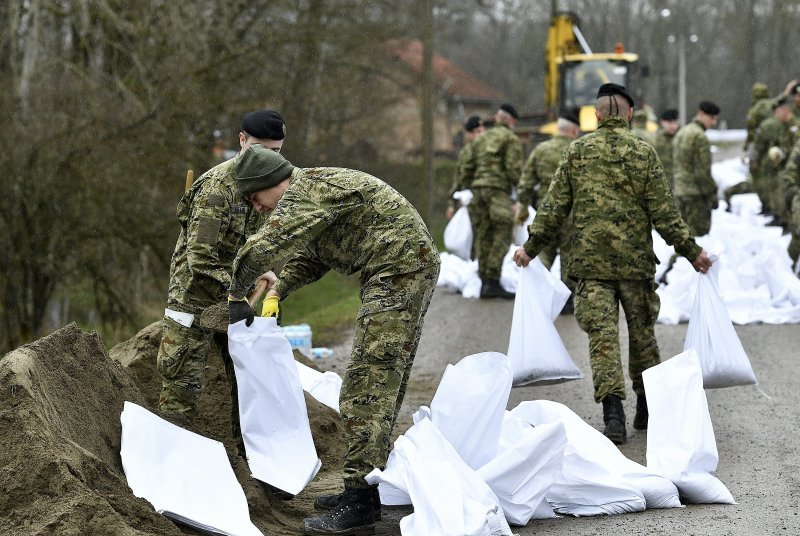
(184, 319)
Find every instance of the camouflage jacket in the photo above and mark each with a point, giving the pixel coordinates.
(773, 133)
(615, 186)
(664, 145)
(464, 155)
(215, 221)
(691, 158)
(539, 170)
(340, 219)
(790, 175)
(496, 161)
(757, 113)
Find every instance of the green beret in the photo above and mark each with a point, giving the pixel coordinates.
(260, 168)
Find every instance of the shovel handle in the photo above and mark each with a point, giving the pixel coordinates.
(261, 286)
(189, 179)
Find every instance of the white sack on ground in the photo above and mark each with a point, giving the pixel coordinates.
(458, 234)
(535, 348)
(597, 478)
(185, 476)
(525, 468)
(449, 498)
(272, 409)
(680, 438)
(459, 275)
(325, 387)
(712, 335)
(520, 232)
(469, 405)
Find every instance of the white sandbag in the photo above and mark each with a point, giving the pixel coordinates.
(272, 409)
(520, 232)
(711, 334)
(449, 498)
(459, 275)
(458, 234)
(325, 387)
(185, 476)
(469, 405)
(537, 353)
(523, 471)
(509, 271)
(596, 478)
(680, 438)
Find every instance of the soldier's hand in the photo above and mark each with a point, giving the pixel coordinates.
(702, 263)
(522, 215)
(271, 307)
(269, 277)
(450, 211)
(239, 309)
(521, 258)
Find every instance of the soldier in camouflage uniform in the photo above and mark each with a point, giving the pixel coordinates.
(695, 189)
(537, 173)
(760, 109)
(493, 171)
(664, 144)
(639, 127)
(790, 176)
(773, 142)
(472, 129)
(215, 221)
(348, 221)
(615, 186)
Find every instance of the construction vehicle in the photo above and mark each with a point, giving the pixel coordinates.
(574, 73)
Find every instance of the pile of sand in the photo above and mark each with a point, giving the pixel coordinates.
(60, 469)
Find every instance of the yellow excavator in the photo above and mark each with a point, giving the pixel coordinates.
(574, 73)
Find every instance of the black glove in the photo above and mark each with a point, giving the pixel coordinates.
(714, 203)
(240, 310)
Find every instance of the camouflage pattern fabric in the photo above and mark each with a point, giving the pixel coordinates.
(537, 174)
(615, 186)
(772, 133)
(692, 175)
(459, 182)
(597, 313)
(496, 161)
(215, 221)
(388, 328)
(349, 221)
(539, 169)
(790, 178)
(643, 134)
(664, 144)
(492, 224)
(758, 112)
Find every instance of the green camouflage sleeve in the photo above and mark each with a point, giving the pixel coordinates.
(660, 206)
(209, 218)
(790, 175)
(299, 271)
(528, 180)
(702, 151)
(513, 160)
(467, 169)
(459, 182)
(553, 210)
(295, 222)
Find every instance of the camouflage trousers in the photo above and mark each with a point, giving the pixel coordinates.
(182, 357)
(597, 312)
(387, 333)
(696, 212)
(492, 223)
(794, 228)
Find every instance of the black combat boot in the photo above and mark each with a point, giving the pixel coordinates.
(614, 417)
(642, 415)
(353, 515)
(329, 502)
(490, 288)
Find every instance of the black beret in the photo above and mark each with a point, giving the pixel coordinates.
(783, 101)
(607, 90)
(795, 89)
(264, 124)
(472, 123)
(569, 116)
(510, 110)
(670, 114)
(709, 107)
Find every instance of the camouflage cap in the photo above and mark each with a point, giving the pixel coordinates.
(760, 91)
(260, 168)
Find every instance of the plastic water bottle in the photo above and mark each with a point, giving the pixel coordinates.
(321, 353)
(299, 337)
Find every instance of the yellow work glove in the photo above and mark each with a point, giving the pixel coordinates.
(270, 306)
